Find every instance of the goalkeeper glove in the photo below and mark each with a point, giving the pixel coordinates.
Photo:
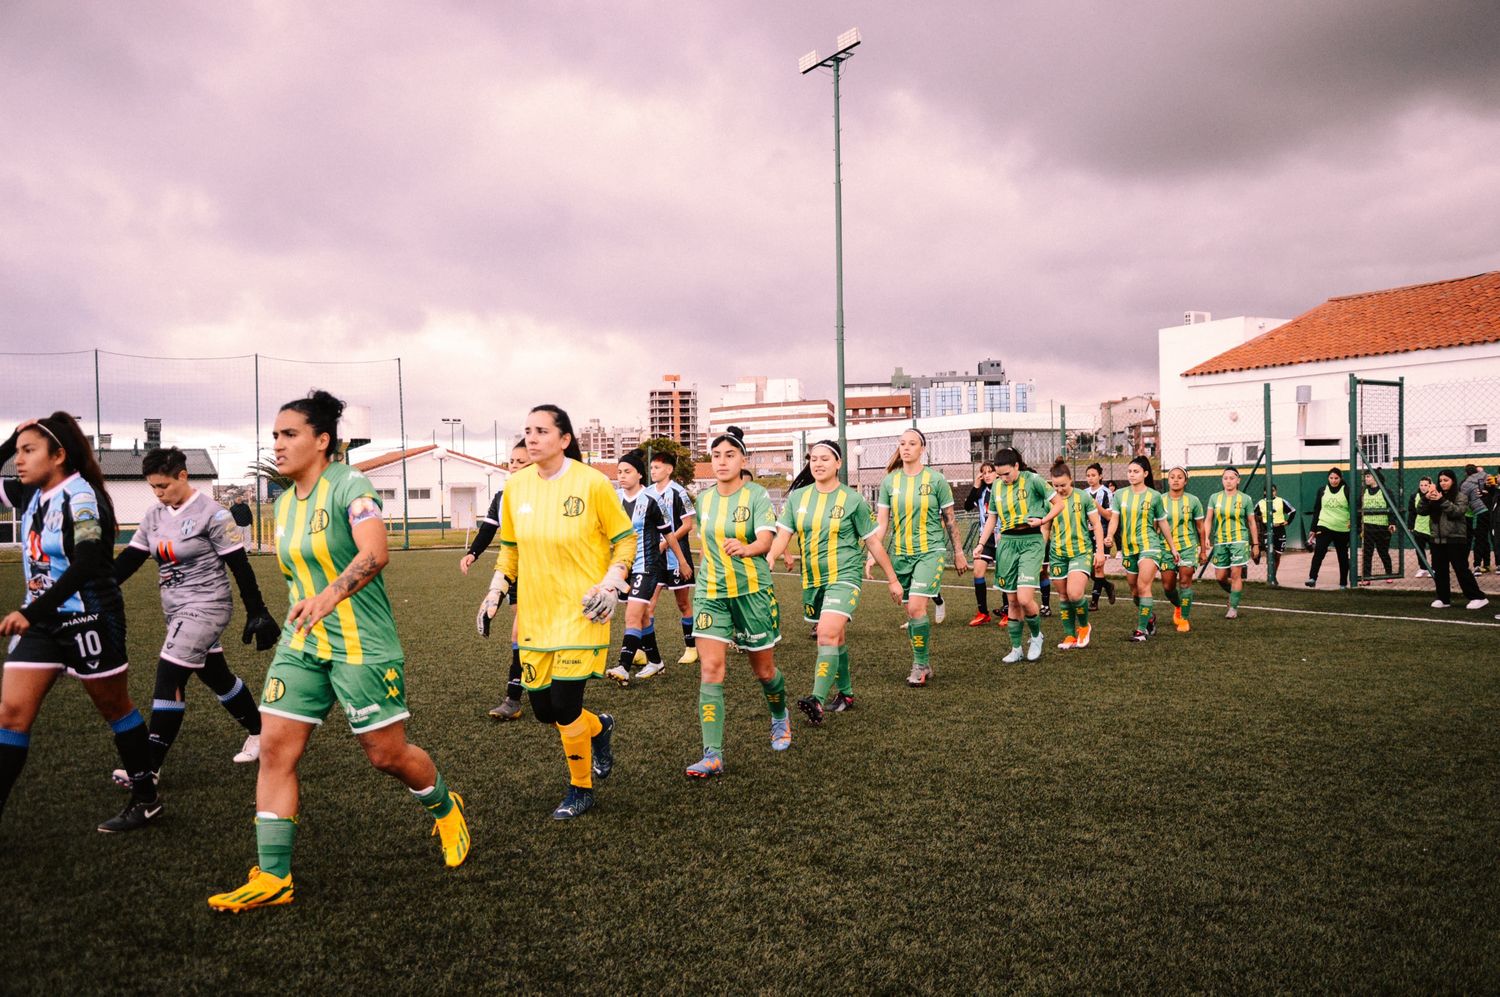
(499, 586)
(262, 629)
(600, 601)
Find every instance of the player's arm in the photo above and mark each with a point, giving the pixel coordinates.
(600, 600)
(12, 492)
(129, 560)
(489, 525)
(372, 554)
(1203, 531)
(88, 558)
(950, 526)
(1254, 533)
(685, 514)
(780, 547)
(1096, 524)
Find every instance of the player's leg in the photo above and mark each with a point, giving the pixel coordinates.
(630, 644)
(585, 739)
(24, 685)
(654, 663)
(684, 595)
(1185, 573)
(1007, 569)
(168, 703)
(1030, 550)
(1321, 544)
(1341, 548)
(1065, 611)
(756, 620)
(236, 699)
(1046, 590)
(511, 707)
(981, 590)
(111, 697)
(283, 742)
(1146, 605)
(1079, 583)
(832, 626)
(712, 633)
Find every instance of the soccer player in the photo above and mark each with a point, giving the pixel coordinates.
(735, 598)
(916, 507)
(984, 556)
(339, 645)
(1232, 528)
(1077, 549)
(651, 529)
(829, 521)
(1103, 498)
(193, 539)
(1141, 522)
(1023, 505)
(563, 533)
(677, 565)
(1185, 521)
(72, 618)
(510, 708)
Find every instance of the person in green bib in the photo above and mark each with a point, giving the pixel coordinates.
(829, 521)
(1187, 524)
(1420, 525)
(1376, 528)
(1330, 516)
(1076, 546)
(338, 646)
(1022, 506)
(916, 508)
(1145, 542)
(1273, 521)
(734, 598)
(1233, 531)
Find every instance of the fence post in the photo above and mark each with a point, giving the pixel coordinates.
(1401, 466)
(98, 412)
(405, 492)
(1063, 436)
(1354, 517)
(1267, 544)
(258, 475)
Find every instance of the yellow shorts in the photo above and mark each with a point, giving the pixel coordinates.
(539, 669)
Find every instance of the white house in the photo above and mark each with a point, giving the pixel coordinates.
(440, 485)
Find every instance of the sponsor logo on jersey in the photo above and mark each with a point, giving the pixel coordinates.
(572, 506)
(363, 712)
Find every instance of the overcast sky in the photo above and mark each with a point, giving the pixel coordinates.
(558, 202)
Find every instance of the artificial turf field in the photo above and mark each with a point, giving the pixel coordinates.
(1280, 803)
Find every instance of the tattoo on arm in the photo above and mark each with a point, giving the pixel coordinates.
(356, 576)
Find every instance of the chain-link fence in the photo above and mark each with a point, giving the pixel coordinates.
(219, 410)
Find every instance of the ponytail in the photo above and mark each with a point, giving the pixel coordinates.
(322, 412)
(564, 425)
(64, 434)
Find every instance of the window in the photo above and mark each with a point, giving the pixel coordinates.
(416, 494)
(1221, 454)
(386, 494)
(1252, 453)
(1375, 448)
(1479, 434)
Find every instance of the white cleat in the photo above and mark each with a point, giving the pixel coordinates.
(1477, 604)
(249, 751)
(1016, 654)
(1034, 648)
(651, 670)
(939, 612)
(619, 674)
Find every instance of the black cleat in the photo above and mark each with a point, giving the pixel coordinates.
(604, 756)
(575, 803)
(136, 815)
(1139, 637)
(814, 710)
(1109, 592)
(839, 703)
(1151, 625)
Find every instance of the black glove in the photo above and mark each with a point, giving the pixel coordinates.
(264, 630)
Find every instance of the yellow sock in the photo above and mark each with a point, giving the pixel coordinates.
(576, 738)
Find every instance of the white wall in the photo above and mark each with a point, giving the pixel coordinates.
(132, 497)
(475, 483)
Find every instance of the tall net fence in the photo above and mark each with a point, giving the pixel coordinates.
(220, 410)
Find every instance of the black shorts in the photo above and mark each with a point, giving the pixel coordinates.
(85, 645)
(672, 577)
(642, 586)
(987, 553)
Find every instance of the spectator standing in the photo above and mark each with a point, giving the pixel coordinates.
(1376, 527)
(1473, 489)
(1421, 529)
(1448, 509)
(1330, 517)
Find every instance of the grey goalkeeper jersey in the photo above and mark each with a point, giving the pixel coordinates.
(187, 544)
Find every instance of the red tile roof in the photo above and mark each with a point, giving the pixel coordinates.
(1461, 312)
(387, 459)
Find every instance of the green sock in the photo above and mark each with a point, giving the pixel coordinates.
(775, 690)
(920, 632)
(1034, 624)
(1148, 606)
(846, 681)
(1065, 610)
(1187, 602)
(825, 672)
(1173, 597)
(1234, 598)
(273, 842)
(711, 715)
(437, 800)
(1014, 626)
(1082, 606)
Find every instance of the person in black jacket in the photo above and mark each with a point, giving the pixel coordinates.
(1331, 525)
(511, 706)
(1448, 509)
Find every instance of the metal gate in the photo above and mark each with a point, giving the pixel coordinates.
(1377, 447)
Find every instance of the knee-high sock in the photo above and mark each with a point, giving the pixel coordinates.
(981, 595)
(1234, 598)
(1144, 613)
(1047, 591)
(628, 646)
(274, 837)
(1173, 597)
(233, 695)
(14, 746)
(166, 722)
(919, 632)
(1066, 611)
(775, 690)
(711, 715)
(134, 746)
(577, 738)
(435, 798)
(1081, 612)
(1034, 624)
(1187, 602)
(513, 682)
(845, 680)
(648, 643)
(1015, 627)
(687, 632)
(825, 671)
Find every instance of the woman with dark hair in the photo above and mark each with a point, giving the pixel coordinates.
(1448, 509)
(1145, 534)
(338, 645)
(1077, 551)
(1236, 540)
(829, 521)
(565, 534)
(1187, 524)
(1331, 527)
(1023, 505)
(651, 530)
(72, 618)
(1376, 528)
(978, 500)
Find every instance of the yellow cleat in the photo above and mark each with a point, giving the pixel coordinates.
(262, 890)
(639, 659)
(453, 833)
(689, 656)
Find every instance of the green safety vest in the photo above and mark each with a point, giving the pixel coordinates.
(1377, 510)
(1280, 510)
(1334, 514)
(1423, 523)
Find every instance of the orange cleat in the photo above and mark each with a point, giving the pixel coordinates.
(980, 619)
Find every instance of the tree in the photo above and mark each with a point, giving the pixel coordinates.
(683, 472)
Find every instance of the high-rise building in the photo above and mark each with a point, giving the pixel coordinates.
(673, 412)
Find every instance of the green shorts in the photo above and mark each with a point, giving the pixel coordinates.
(1171, 562)
(1018, 560)
(300, 687)
(751, 622)
(1132, 562)
(840, 598)
(1231, 555)
(920, 574)
(1061, 567)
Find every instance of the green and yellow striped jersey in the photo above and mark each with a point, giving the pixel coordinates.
(314, 544)
(1231, 517)
(1139, 513)
(829, 526)
(1183, 516)
(1071, 534)
(739, 516)
(916, 503)
(1014, 502)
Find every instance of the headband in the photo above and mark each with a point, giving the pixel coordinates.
(828, 445)
(739, 444)
(39, 424)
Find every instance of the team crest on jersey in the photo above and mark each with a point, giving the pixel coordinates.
(572, 506)
(925, 490)
(837, 512)
(319, 521)
(53, 521)
(742, 514)
(187, 527)
(704, 621)
(275, 689)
